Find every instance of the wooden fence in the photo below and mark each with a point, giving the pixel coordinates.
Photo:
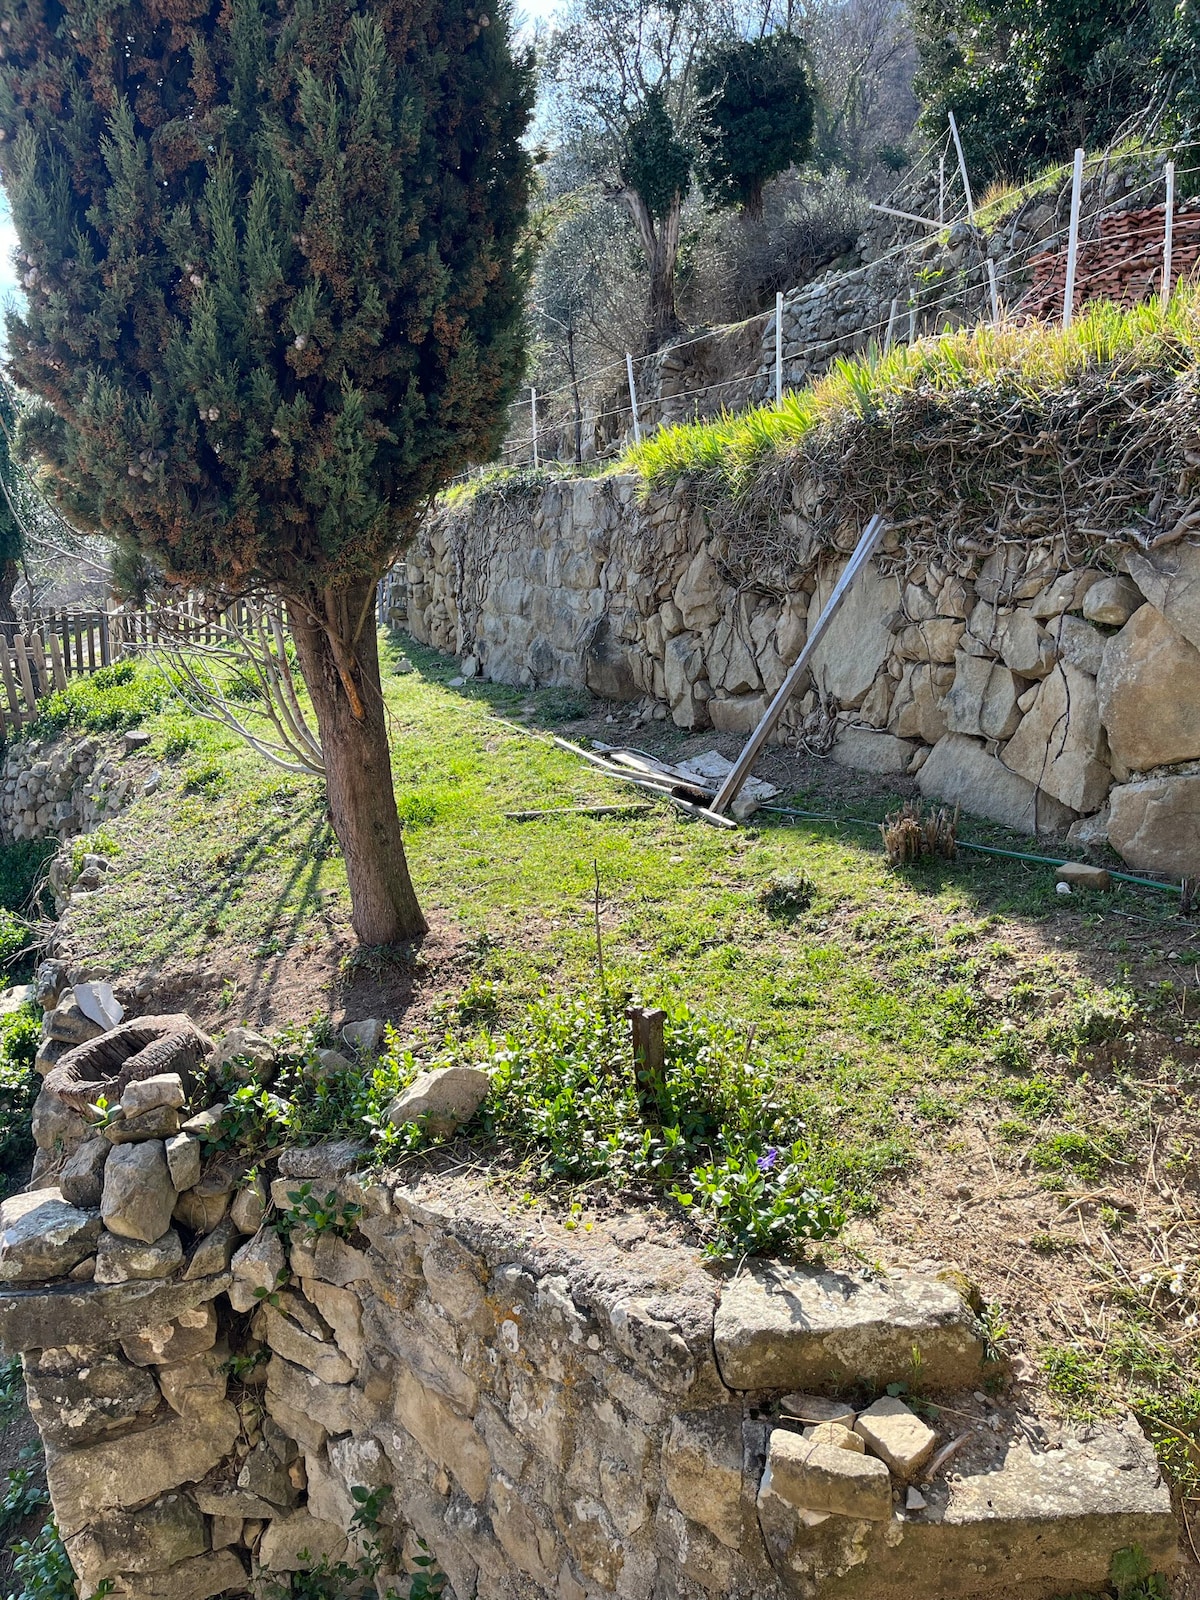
(45, 652)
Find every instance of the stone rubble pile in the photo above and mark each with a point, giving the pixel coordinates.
(214, 1379)
(1028, 690)
(68, 789)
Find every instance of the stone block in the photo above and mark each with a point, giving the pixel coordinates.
(298, 1542)
(213, 1252)
(925, 642)
(75, 1402)
(1079, 643)
(698, 592)
(258, 1268)
(918, 709)
(220, 1572)
(342, 1310)
(1170, 580)
(1112, 601)
(1037, 1527)
(703, 1470)
(866, 750)
(1154, 824)
(446, 1437)
(82, 1178)
(960, 772)
(1024, 645)
(368, 1035)
(93, 1314)
(445, 1098)
(117, 1473)
(740, 715)
(329, 1161)
(159, 1122)
(456, 1277)
(858, 641)
(825, 1478)
(249, 1207)
(160, 1535)
(982, 700)
(120, 1260)
(335, 1408)
(894, 1432)
(147, 1094)
(324, 1360)
(784, 1327)
(138, 1195)
(1149, 693)
(183, 1160)
(41, 1236)
(162, 1344)
(1060, 746)
(200, 1212)
(193, 1386)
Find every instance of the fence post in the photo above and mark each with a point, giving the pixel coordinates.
(1073, 240)
(912, 322)
(1168, 231)
(633, 400)
(533, 419)
(941, 190)
(991, 269)
(779, 348)
(962, 167)
(891, 324)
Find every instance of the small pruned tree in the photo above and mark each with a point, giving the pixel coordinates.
(756, 117)
(275, 302)
(620, 79)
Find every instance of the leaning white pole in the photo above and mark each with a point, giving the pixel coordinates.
(779, 348)
(533, 419)
(941, 190)
(1073, 240)
(1168, 231)
(637, 426)
(994, 292)
(962, 167)
(740, 771)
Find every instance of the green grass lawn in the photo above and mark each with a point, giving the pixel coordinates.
(948, 1026)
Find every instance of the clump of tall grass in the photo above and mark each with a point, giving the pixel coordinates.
(1023, 360)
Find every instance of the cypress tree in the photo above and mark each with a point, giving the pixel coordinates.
(272, 256)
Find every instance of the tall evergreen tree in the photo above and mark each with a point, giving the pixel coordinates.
(275, 285)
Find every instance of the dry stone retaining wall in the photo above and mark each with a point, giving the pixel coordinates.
(1042, 695)
(550, 1420)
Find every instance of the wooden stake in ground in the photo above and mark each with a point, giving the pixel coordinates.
(740, 771)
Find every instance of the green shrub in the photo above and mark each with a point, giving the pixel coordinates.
(15, 935)
(20, 1033)
(43, 1569)
(110, 699)
(22, 865)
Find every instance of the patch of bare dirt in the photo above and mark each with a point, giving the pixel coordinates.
(333, 976)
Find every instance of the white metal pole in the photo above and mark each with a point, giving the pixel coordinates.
(891, 324)
(912, 322)
(637, 426)
(962, 167)
(779, 348)
(533, 418)
(991, 266)
(941, 190)
(1073, 240)
(1168, 230)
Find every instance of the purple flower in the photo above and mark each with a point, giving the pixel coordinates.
(768, 1159)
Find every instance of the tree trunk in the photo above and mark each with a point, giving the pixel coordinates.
(10, 576)
(342, 674)
(661, 245)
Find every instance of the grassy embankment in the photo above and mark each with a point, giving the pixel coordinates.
(952, 1057)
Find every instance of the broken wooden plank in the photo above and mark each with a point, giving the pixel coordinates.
(632, 808)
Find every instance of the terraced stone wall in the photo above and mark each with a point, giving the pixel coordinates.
(1045, 696)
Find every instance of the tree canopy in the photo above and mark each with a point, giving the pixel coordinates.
(756, 116)
(271, 259)
(272, 254)
(1029, 80)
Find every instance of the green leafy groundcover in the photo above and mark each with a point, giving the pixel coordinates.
(20, 1033)
(715, 1130)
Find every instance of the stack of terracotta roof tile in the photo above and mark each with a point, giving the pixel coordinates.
(1124, 262)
